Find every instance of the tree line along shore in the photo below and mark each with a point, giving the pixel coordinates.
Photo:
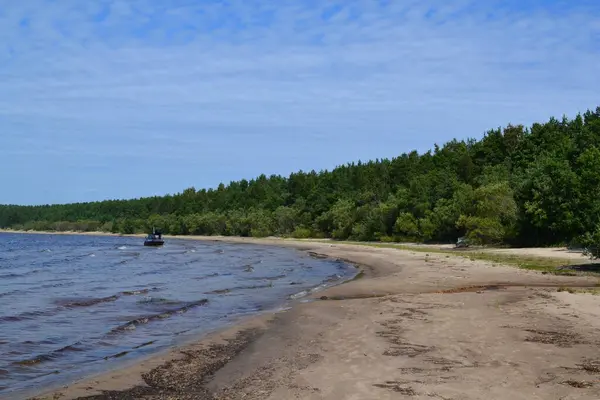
(520, 186)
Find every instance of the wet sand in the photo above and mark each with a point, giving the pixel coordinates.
(416, 325)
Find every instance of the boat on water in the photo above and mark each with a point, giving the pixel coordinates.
(154, 239)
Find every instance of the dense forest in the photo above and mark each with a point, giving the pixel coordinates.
(517, 185)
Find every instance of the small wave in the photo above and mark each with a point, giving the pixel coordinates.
(157, 300)
(332, 278)
(219, 291)
(270, 284)
(131, 325)
(11, 275)
(152, 272)
(54, 285)
(45, 251)
(49, 356)
(71, 303)
(190, 262)
(320, 287)
(38, 343)
(326, 283)
(91, 255)
(11, 318)
(144, 344)
(267, 278)
(9, 293)
(299, 294)
(17, 275)
(71, 347)
(121, 354)
(35, 360)
(250, 287)
(121, 247)
(29, 315)
(136, 292)
(133, 254)
(199, 278)
(247, 264)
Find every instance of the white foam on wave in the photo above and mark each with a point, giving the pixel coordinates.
(122, 247)
(299, 295)
(316, 289)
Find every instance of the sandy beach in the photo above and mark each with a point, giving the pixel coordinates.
(415, 325)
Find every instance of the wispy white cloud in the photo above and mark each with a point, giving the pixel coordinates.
(233, 89)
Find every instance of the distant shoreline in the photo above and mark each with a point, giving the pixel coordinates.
(66, 233)
(270, 240)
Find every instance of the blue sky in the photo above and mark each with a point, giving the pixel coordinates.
(127, 98)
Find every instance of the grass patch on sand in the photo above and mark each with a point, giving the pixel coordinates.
(592, 291)
(545, 265)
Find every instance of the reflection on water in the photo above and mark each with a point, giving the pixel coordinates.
(73, 305)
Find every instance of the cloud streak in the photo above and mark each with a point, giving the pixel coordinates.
(225, 90)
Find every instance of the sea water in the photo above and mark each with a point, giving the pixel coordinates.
(73, 305)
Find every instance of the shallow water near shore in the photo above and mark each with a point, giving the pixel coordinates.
(75, 305)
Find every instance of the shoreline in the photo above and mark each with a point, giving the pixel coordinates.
(234, 337)
(171, 352)
(130, 373)
(319, 339)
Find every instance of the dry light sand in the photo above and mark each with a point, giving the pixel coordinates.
(416, 326)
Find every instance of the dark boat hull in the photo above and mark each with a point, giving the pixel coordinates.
(154, 242)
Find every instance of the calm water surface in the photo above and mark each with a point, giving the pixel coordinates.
(76, 305)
